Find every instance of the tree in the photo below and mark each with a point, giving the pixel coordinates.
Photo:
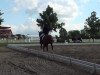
(74, 33)
(92, 25)
(84, 34)
(1, 20)
(48, 21)
(98, 35)
(63, 35)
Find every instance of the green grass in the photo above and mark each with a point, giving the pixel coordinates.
(3, 44)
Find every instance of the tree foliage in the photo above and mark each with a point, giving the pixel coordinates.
(63, 34)
(1, 20)
(84, 34)
(48, 20)
(92, 25)
(74, 33)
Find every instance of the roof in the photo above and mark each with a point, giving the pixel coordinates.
(2, 27)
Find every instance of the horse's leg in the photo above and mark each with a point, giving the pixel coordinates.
(41, 42)
(41, 45)
(47, 47)
(52, 46)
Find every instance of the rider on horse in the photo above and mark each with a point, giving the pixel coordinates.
(43, 33)
(45, 39)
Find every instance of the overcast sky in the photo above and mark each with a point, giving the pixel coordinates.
(21, 15)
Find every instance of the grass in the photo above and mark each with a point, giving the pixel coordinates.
(3, 44)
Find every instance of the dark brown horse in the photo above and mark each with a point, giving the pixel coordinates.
(45, 40)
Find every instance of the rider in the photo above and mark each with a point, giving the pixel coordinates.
(43, 33)
(46, 30)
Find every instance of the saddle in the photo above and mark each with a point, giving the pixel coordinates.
(42, 36)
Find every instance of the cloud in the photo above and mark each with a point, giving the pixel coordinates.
(78, 26)
(85, 1)
(24, 4)
(28, 27)
(66, 10)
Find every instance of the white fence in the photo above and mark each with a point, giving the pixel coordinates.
(27, 40)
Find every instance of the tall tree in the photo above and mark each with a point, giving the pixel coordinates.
(84, 34)
(1, 20)
(63, 34)
(48, 20)
(92, 25)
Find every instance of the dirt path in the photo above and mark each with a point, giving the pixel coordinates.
(17, 63)
(90, 52)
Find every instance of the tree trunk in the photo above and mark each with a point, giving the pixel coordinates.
(93, 38)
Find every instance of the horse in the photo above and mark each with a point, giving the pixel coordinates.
(46, 39)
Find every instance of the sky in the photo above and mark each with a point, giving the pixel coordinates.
(21, 15)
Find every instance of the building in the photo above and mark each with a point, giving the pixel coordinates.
(5, 32)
